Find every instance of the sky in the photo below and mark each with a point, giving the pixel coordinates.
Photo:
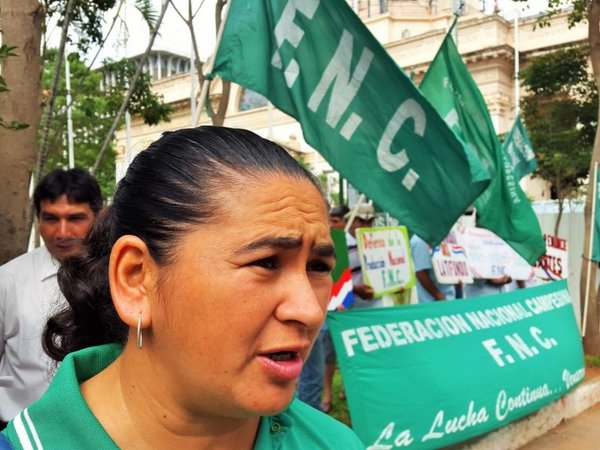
(130, 36)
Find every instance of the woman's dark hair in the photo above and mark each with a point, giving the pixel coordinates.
(175, 184)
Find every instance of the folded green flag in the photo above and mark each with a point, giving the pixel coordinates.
(316, 61)
(519, 150)
(503, 208)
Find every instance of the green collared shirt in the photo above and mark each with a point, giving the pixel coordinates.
(61, 419)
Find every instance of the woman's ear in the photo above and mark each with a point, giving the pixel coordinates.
(132, 273)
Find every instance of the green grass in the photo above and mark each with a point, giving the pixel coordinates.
(339, 407)
(590, 360)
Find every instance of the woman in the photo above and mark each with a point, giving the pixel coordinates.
(200, 293)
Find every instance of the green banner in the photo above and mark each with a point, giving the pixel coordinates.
(518, 150)
(430, 375)
(316, 61)
(503, 208)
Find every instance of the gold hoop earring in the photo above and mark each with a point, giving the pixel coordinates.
(139, 332)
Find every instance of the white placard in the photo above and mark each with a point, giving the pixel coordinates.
(490, 257)
(450, 264)
(554, 265)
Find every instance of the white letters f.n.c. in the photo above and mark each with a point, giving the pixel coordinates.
(287, 30)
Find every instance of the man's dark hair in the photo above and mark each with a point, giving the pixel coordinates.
(339, 211)
(77, 184)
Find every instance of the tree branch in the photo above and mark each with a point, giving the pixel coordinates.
(136, 77)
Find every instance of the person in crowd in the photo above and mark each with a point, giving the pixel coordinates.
(364, 296)
(490, 286)
(310, 384)
(314, 380)
(336, 222)
(336, 217)
(428, 288)
(66, 203)
(196, 301)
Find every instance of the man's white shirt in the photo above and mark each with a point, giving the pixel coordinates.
(29, 294)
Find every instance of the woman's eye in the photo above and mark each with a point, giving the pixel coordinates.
(269, 263)
(319, 266)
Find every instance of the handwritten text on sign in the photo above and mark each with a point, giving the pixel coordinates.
(385, 258)
(450, 264)
(554, 264)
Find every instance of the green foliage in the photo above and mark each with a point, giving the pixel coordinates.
(147, 11)
(143, 101)
(7, 51)
(87, 17)
(593, 361)
(561, 117)
(578, 11)
(93, 111)
(339, 407)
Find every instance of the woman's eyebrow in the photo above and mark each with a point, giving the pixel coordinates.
(286, 243)
(324, 250)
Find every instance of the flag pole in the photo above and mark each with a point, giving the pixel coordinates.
(361, 199)
(517, 87)
(589, 255)
(209, 67)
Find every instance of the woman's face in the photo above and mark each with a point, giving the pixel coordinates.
(238, 310)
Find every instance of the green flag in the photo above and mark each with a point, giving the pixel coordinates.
(503, 208)
(519, 151)
(317, 62)
(596, 232)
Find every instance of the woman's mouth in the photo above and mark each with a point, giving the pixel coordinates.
(283, 365)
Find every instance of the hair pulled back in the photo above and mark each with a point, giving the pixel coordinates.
(170, 187)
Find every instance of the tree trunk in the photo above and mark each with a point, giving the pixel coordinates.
(21, 23)
(591, 341)
(42, 156)
(561, 206)
(218, 117)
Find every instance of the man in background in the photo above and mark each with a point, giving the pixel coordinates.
(428, 288)
(364, 296)
(312, 378)
(66, 204)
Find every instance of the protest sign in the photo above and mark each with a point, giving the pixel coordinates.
(385, 259)
(432, 375)
(341, 292)
(490, 257)
(450, 264)
(554, 264)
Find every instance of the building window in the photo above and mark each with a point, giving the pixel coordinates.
(252, 100)
(164, 65)
(405, 34)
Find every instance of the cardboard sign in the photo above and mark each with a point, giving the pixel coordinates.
(450, 264)
(385, 258)
(490, 257)
(554, 265)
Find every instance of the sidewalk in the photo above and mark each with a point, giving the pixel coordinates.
(582, 432)
(570, 423)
